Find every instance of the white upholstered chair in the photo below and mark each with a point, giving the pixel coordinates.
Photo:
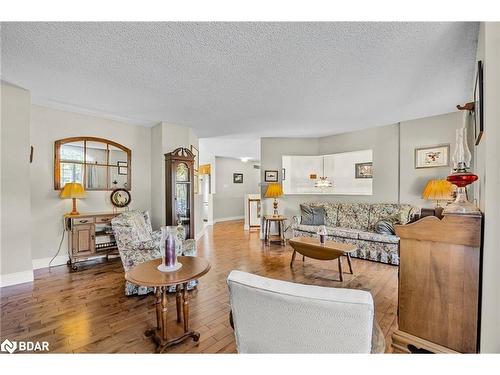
(272, 316)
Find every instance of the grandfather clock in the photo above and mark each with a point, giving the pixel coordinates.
(179, 189)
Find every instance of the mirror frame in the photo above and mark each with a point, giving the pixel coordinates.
(107, 142)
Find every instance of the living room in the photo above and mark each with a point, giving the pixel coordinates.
(181, 187)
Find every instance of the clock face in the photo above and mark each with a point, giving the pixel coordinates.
(120, 198)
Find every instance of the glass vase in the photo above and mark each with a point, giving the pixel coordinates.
(168, 246)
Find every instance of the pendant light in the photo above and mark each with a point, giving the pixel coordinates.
(323, 181)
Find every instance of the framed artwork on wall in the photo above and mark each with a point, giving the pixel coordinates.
(478, 104)
(431, 157)
(364, 170)
(237, 178)
(271, 176)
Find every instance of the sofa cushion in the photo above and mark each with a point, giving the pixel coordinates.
(344, 232)
(354, 215)
(311, 215)
(307, 228)
(375, 237)
(381, 211)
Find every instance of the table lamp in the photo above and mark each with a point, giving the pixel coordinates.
(274, 190)
(438, 190)
(72, 190)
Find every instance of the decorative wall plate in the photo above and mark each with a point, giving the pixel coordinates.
(120, 198)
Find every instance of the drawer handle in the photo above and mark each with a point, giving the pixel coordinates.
(107, 219)
(83, 221)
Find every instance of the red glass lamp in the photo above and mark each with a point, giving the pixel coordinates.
(461, 177)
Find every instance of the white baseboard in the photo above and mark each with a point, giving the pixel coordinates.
(44, 262)
(229, 218)
(16, 278)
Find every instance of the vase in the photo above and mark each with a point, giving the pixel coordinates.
(168, 247)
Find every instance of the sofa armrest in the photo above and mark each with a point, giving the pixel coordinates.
(189, 247)
(295, 221)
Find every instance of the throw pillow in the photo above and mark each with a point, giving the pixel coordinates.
(386, 225)
(312, 215)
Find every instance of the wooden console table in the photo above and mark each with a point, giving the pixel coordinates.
(147, 274)
(89, 235)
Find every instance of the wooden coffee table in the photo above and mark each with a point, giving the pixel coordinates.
(147, 274)
(330, 250)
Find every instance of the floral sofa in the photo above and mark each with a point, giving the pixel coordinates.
(355, 223)
(137, 243)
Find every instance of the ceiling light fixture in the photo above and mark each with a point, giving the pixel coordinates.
(323, 181)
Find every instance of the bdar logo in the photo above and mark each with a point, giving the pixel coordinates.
(8, 346)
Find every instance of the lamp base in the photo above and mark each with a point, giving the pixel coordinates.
(74, 211)
(275, 208)
(461, 205)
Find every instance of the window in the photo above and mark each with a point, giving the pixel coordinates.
(98, 164)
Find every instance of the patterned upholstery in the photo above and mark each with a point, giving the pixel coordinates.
(354, 215)
(137, 243)
(354, 223)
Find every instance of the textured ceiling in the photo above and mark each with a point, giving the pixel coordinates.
(256, 79)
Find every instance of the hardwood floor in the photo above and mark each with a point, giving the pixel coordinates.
(87, 311)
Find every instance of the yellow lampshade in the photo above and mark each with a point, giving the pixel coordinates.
(274, 191)
(72, 190)
(438, 190)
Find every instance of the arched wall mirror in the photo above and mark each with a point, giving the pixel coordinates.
(96, 163)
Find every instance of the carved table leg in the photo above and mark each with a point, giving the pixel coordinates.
(185, 307)
(178, 302)
(158, 328)
(164, 314)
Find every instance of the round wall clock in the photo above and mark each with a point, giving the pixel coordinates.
(120, 198)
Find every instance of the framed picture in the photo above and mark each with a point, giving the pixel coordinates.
(196, 154)
(122, 167)
(237, 178)
(431, 157)
(283, 174)
(364, 170)
(478, 104)
(271, 176)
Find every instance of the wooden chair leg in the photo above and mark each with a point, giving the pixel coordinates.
(293, 258)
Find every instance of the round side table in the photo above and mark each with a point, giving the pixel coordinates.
(147, 274)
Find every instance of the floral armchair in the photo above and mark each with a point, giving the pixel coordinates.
(138, 243)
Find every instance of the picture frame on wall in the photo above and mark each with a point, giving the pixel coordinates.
(364, 170)
(196, 154)
(432, 157)
(237, 178)
(271, 176)
(478, 105)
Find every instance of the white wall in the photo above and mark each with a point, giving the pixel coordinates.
(228, 202)
(48, 125)
(15, 244)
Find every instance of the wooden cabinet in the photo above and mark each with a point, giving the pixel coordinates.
(439, 285)
(89, 235)
(179, 189)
